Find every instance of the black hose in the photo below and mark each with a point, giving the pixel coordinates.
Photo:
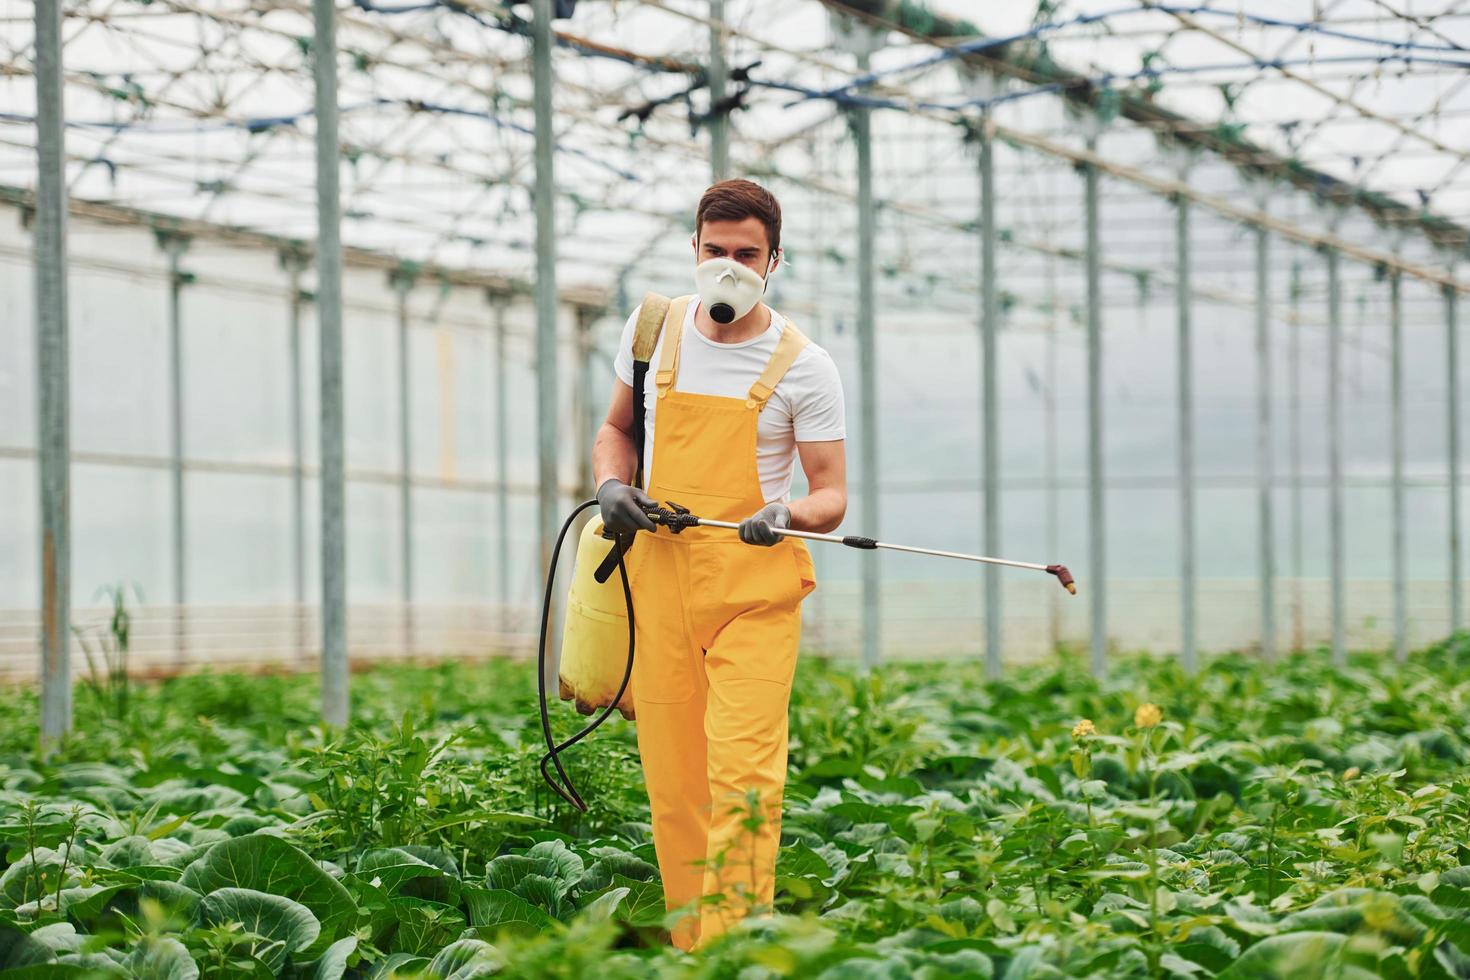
(565, 789)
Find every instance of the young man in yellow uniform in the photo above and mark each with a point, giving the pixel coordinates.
(739, 395)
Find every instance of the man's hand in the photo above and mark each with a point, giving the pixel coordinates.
(759, 528)
(622, 507)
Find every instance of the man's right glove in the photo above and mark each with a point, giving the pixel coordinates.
(622, 507)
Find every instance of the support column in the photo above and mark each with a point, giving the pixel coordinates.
(1334, 457)
(502, 461)
(1097, 514)
(546, 302)
(1265, 470)
(585, 413)
(1294, 408)
(1452, 367)
(335, 706)
(1053, 495)
(1396, 407)
(295, 264)
(989, 420)
(860, 119)
(719, 120)
(401, 280)
(1185, 381)
(174, 245)
(53, 381)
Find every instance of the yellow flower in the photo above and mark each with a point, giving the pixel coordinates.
(1351, 773)
(1148, 715)
(1083, 728)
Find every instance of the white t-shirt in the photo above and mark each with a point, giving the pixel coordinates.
(806, 405)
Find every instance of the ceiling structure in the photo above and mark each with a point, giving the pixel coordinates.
(201, 111)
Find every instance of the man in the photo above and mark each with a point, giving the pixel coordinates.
(738, 395)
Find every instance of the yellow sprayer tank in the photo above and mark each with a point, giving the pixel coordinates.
(594, 639)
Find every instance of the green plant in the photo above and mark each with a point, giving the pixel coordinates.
(106, 647)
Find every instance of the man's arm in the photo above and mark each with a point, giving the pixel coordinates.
(825, 466)
(613, 454)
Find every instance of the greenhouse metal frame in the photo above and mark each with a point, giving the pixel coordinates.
(623, 111)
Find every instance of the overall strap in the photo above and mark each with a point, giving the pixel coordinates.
(645, 337)
(668, 362)
(791, 342)
(650, 322)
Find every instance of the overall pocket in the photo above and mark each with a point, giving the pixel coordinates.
(806, 572)
(663, 669)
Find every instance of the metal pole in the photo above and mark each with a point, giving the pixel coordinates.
(295, 264)
(719, 120)
(1265, 521)
(585, 414)
(1053, 498)
(1334, 456)
(1452, 366)
(546, 306)
(1185, 366)
(175, 246)
(1097, 559)
(990, 424)
(402, 282)
(861, 122)
(52, 370)
(335, 706)
(1294, 355)
(1396, 390)
(502, 462)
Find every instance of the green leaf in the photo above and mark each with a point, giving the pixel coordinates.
(799, 859)
(333, 963)
(392, 867)
(424, 926)
(466, 959)
(497, 909)
(17, 949)
(162, 959)
(285, 927)
(600, 875)
(567, 864)
(271, 865)
(396, 965)
(434, 856)
(644, 904)
(19, 883)
(172, 896)
(63, 971)
(59, 937)
(603, 906)
(1295, 956)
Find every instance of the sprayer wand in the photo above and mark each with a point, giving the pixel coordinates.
(676, 517)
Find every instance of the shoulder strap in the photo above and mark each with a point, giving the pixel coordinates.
(668, 361)
(791, 343)
(645, 337)
(650, 321)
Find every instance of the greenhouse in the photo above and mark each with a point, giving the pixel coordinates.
(317, 317)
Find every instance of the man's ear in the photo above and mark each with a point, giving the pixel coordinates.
(774, 263)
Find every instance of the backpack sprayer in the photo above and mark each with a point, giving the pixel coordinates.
(591, 638)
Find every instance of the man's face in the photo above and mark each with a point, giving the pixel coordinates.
(743, 240)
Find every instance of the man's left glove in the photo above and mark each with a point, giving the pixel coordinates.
(759, 527)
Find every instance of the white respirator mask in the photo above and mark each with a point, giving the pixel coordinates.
(727, 289)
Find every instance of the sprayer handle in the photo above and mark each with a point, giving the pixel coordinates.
(620, 547)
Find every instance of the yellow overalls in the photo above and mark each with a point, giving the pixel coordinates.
(718, 624)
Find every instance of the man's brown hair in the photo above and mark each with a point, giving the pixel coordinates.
(736, 200)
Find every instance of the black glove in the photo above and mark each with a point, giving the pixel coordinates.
(758, 527)
(622, 507)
